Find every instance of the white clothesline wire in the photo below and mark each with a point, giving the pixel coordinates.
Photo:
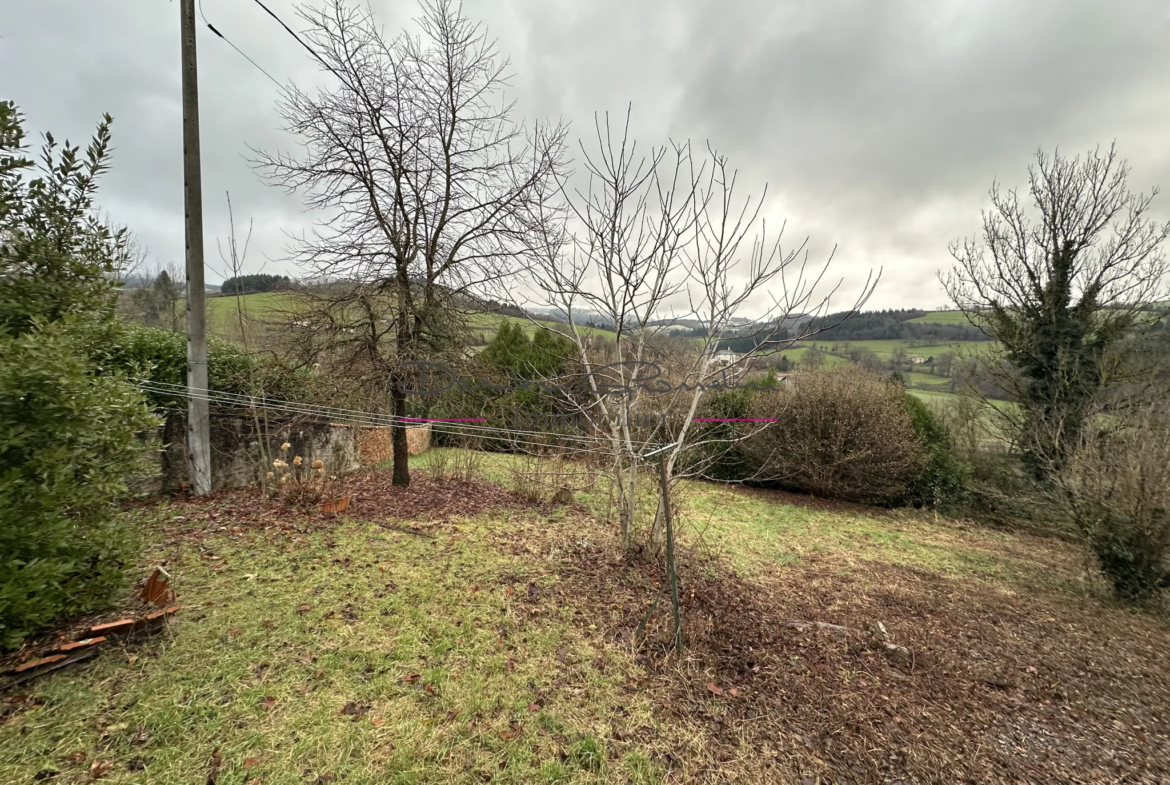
(359, 417)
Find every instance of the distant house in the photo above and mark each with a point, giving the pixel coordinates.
(725, 357)
(918, 360)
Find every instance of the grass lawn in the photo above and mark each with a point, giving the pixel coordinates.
(493, 642)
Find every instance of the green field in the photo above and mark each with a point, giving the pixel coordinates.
(885, 349)
(270, 311)
(264, 311)
(942, 317)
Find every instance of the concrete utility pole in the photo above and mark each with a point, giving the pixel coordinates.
(198, 432)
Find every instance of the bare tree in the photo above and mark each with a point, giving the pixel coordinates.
(157, 303)
(1061, 287)
(424, 178)
(647, 230)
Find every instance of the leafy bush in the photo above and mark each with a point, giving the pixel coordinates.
(57, 257)
(839, 434)
(68, 447)
(161, 356)
(68, 437)
(718, 453)
(943, 478)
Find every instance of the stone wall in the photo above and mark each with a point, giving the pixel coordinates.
(236, 456)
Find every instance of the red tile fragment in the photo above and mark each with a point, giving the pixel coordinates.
(83, 644)
(33, 664)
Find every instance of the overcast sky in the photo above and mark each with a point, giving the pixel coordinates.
(878, 125)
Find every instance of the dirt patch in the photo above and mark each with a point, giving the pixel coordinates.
(776, 496)
(999, 687)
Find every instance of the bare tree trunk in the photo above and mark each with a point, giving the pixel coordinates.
(401, 474)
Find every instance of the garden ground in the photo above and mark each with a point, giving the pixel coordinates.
(452, 632)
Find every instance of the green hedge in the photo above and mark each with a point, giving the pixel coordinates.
(68, 447)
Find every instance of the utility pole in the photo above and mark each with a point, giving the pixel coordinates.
(198, 430)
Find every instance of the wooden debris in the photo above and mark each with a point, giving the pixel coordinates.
(114, 628)
(337, 506)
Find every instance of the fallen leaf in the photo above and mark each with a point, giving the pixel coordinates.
(452, 715)
(76, 757)
(250, 762)
(352, 709)
(429, 690)
(510, 665)
(412, 678)
(213, 767)
(267, 624)
(267, 702)
(99, 768)
(507, 734)
(378, 721)
(732, 691)
(132, 659)
(714, 688)
(304, 608)
(534, 706)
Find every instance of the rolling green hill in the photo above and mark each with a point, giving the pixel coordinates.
(270, 310)
(942, 317)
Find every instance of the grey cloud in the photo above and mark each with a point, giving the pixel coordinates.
(879, 126)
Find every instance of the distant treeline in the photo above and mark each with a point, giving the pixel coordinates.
(889, 326)
(250, 284)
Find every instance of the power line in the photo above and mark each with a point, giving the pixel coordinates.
(299, 40)
(374, 421)
(357, 416)
(243, 54)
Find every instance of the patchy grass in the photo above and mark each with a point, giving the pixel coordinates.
(759, 529)
(506, 647)
(357, 653)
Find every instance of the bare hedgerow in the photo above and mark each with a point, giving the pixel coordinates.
(839, 434)
(1115, 494)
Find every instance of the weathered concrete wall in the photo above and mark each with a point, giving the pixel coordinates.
(237, 459)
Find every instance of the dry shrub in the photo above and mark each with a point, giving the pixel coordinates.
(299, 484)
(839, 434)
(466, 465)
(527, 479)
(1115, 493)
(463, 463)
(547, 478)
(440, 463)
